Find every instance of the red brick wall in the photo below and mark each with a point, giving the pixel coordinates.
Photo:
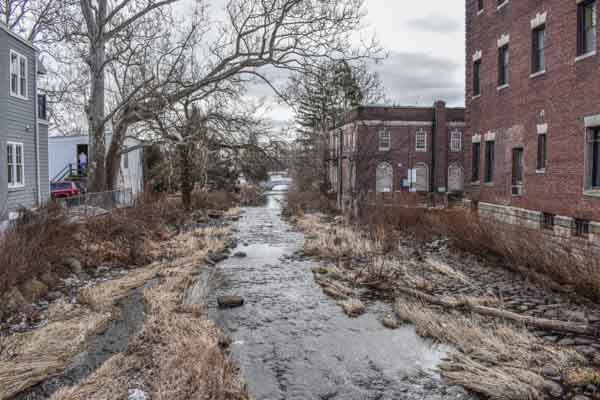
(368, 121)
(562, 97)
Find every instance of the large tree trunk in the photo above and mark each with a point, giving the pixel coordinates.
(185, 165)
(97, 138)
(113, 156)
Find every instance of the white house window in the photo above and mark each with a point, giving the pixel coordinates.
(384, 140)
(456, 141)
(421, 140)
(14, 159)
(18, 75)
(385, 178)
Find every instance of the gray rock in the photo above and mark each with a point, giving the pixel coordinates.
(582, 341)
(390, 322)
(566, 342)
(550, 371)
(230, 301)
(240, 254)
(586, 350)
(74, 265)
(580, 397)
(553, 389)
(53, 296)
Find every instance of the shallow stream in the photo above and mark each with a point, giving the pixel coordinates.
(293, 342)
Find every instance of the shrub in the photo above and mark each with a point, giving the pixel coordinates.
(301, 202)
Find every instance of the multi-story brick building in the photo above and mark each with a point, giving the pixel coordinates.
(532, 142)
(393, 149)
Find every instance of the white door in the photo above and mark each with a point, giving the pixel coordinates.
(455, 178)
(422, 178)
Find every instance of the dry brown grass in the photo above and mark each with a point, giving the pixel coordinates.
(178, 347)
(494, 359)
(29, 358)
(339, 241)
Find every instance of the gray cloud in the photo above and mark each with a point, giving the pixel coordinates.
(435, 23)
(421, 78)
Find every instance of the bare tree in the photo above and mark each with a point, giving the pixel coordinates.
(286, 34)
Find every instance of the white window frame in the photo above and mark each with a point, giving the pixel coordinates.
(456, 138)
(20, 57)
(14, 165)
(421, 141)
(388, 137)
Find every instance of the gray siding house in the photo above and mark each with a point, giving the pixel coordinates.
(24, 178)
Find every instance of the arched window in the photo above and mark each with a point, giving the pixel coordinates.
(384, 178)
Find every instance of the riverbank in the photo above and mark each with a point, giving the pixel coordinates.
(129, 336)
(508, 352)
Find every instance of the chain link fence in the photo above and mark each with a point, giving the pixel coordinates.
(99, 203)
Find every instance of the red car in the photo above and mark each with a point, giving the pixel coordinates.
(63, 190)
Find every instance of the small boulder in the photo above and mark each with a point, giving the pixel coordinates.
(553, 389)
(53, 296)
(353, 308)
(240, 254)
(74, 265)
(230, 301)
(550, 371)
(390, 322)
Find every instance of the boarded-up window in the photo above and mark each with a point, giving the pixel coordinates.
(385, 178)
(455, 178)
(422, 178)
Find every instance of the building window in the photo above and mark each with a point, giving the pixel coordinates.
(477, 78)
(42, 107)
(456, 141)
(18, 75)
(548, 221)
(586, 27)
(384, 140)
(476, 162)
(385, 178)
(503, 60)
(539, 44)
(594, 145)
(15, 165)
(517, 172)
(480, 5)
(489, 161)
(541, 152)
(421, 141)
(581, 228)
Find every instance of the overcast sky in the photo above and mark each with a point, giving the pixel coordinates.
(426, 41)
(426, 45)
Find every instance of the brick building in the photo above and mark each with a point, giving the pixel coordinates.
(532, 141)
(395, 149)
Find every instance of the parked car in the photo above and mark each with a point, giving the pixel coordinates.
(64, 189)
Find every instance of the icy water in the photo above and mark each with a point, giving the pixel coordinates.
(293, 342)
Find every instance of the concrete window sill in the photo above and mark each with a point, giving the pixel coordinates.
(16, 189)
(537, 74)
(43, 122)
(592, 193)
(502, 87)
(540, 171)
(489, 184)
(501, 6)
(585, 56)
(480, 12)
(476, 97)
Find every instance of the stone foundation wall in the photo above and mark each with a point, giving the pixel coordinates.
(563, 226)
